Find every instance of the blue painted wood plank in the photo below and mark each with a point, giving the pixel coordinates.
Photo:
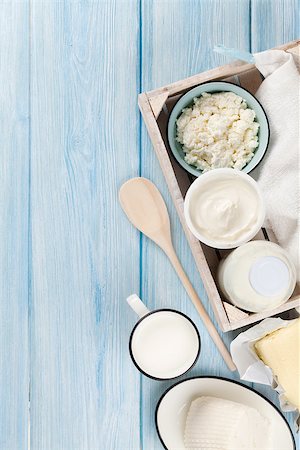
(14, 207)
(85, 254)
(274, 23)
(178, 38)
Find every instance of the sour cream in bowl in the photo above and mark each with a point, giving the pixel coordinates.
(224, 208)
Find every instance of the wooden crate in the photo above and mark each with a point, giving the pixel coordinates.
(156, 107)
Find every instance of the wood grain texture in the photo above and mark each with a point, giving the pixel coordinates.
(14, 208)
(75, 68)
(177, 41)
(85, 255)
(274, 22)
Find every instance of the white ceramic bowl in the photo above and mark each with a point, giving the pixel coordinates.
(173, 407)
(201, 182)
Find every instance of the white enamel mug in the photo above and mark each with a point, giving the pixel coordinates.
(164, 343)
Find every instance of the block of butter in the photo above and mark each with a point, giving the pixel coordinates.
(280, 351)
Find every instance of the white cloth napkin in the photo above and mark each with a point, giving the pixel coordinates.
(278, 174)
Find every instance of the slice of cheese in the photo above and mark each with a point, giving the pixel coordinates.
(280, 351)
(218, 424)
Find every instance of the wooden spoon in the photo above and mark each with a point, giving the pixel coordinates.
(147, 211)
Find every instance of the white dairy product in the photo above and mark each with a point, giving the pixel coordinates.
(165, 344)
(224, 208)
(258, 276)
(219, 424)
(219, 130)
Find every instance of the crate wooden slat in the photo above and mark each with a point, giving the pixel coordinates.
(155, 107)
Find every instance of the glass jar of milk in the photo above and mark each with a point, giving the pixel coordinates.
(258, 276)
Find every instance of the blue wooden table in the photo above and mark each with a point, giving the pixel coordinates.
(70, 135)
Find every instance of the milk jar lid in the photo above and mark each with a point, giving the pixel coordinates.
(269, 276)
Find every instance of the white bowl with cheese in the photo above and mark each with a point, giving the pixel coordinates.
(173, 410)
(224, 208)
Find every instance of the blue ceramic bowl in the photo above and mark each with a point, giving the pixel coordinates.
(219, 86)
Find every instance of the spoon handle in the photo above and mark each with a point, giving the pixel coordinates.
(200, 308)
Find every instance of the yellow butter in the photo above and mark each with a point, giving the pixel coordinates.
(280, 351)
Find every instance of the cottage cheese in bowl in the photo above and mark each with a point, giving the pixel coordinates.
(224, 208)
(218, 130)
(218, 125)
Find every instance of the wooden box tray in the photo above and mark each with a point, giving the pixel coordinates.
(156, 107)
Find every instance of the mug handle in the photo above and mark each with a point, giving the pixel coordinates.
(137, 305)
